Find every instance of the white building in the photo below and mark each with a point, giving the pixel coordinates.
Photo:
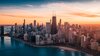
(37, 39)
(25, 36)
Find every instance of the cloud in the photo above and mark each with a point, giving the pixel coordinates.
(85, 14)
(38, 2)
(20, 16)
(29, 5)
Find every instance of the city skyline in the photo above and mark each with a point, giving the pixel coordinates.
(72, 11)
(49, 27)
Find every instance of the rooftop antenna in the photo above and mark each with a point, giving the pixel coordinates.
(54, 13)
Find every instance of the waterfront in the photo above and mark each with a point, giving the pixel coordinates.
(11, 47)
(35, 36)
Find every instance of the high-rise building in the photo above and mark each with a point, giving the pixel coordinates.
(60, 22)
(54, 26)
(24, 26)
(94, 44)
(34, 23)
(2, 30)
(70, 34)
(66, 25)
(48, 27)
(66, 30)
(83, 39)
(50, 21)
(60, 31)
(59, 25)
(15, 27)
(11, 31)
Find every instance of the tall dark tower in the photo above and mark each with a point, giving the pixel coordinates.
(59, 24)
(34, 23)
(15, 27)
(60, 21)
(24, 26)
(54, 26)
(2, 30)
(50, 21)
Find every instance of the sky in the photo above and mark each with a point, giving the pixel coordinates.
(72, 11)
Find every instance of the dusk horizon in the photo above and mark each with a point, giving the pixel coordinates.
(72, 11)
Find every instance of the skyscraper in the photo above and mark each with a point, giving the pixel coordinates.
(66, 30)
(15, 27)
(48, 27)
(59, 25)
(34, 23)
(54, 26)
(50, 21)
(2, 30)
(24, 26)
(60, 22)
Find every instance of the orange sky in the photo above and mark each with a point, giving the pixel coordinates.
(81, 13)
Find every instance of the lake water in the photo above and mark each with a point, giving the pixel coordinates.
(11, 47)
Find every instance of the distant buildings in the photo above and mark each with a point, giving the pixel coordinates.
(52, 33)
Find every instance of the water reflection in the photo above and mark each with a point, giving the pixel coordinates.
(8, 42)
(1, 42)
(73, 53)
(61, 53)
(5, 42)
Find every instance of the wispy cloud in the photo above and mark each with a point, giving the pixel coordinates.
(85, 14)
(29, 5)
(21, 16)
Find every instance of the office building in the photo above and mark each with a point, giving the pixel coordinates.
(54, 26)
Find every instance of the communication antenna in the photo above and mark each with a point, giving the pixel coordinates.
(53, 13)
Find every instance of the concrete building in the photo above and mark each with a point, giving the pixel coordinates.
(94, 45)
(66, 30)
(26, 37)
(34, 23)
(70, 38)
(54, 26)
(37, 39)
(83, 41)
(48, 27)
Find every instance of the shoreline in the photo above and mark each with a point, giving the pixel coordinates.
(65, 48)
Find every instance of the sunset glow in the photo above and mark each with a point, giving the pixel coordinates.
(73, 12)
